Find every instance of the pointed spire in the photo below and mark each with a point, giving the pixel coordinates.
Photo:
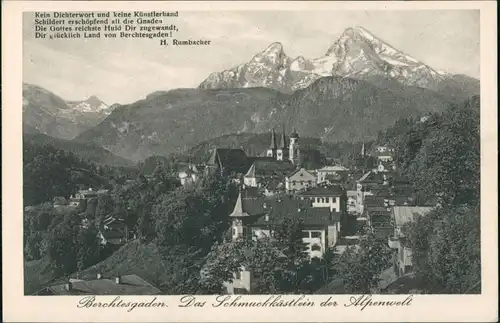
(273, 140)
(251, 172)
(238, 207)
(283, 143)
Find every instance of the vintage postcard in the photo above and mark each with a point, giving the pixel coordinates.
(249, 161)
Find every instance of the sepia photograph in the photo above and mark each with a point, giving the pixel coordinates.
(275, 157)
(242, 159)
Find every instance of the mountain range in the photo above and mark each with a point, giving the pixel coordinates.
(45, 112)
(332, 109)
(355, 54)
(360, 86)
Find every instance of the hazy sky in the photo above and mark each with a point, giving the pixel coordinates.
(126, 70)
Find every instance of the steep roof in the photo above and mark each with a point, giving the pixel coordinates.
(245, 207)
(404, 214)
(373, 201)
(283, 141)
(269, 167)
(322, 191)
(364, 177)
(129, 285)
(277, 210)
(273, 141)
(303, 170)
(231, 159)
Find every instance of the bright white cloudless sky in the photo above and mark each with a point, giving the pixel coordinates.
(126, 70)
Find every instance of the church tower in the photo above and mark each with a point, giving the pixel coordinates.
(282, 152)
(294, 151)
(271, 152)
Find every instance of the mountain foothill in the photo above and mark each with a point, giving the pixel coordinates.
(359, 87)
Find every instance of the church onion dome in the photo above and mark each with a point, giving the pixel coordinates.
(294, 134)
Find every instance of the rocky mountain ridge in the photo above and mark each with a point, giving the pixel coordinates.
(45, 112)
(357, 53)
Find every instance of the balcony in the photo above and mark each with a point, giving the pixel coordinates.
(393, 242)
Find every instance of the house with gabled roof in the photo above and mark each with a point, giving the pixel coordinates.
(332, 197)
(332, 174)
(228, 161)
(299, 180)
(268, 173)
(255, 218)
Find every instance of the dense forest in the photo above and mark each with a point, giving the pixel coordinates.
(440, 154)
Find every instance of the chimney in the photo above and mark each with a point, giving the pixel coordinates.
(99, 276)
(267, 217)
(69, 286)
(118, 280)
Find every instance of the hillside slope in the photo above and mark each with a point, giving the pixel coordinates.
(332, 108)
(85, 150)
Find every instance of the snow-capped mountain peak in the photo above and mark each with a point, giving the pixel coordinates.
(91, 105)
(357, 53)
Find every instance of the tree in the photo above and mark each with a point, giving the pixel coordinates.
(360, 267)
(446, 248)
(442, 154)
(61, 246)
(88, 247)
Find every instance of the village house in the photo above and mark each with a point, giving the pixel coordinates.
(268, 174)
(332, 174)
(85, 195)
(385, 166)
(255, 218)
(332, 197)
(351, 201)
(402, 215)
(119, 285)
(386, 183)
(383, 153)
(190, 173)
(114, 231)
(299, 180)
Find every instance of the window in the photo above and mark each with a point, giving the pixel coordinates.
(316, 234)
(294, 182)
(316, 247)
(239, 291)
(237, 275)
(234, 232)
(305, 234)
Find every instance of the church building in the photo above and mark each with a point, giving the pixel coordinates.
(285, 151)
